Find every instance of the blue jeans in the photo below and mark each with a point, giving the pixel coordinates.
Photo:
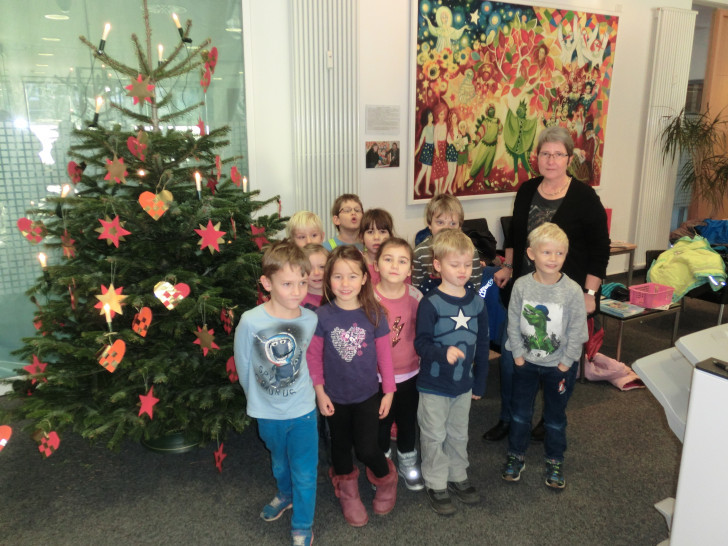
(507, 367)
(556, 388)
(293, 445)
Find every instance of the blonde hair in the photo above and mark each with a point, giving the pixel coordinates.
(451, 241)
(444, 204)
(301, 220)
(280, 253)
(548, 233)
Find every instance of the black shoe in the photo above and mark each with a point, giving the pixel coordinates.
(539, 432)
(464, 491)
(498, 432)
(441, 502)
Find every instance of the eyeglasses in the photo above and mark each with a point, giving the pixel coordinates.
(557, 155)
(349, 210)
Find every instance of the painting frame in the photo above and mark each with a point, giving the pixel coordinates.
(502, 72)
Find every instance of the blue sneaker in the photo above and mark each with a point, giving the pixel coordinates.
(513, 468)
(555, 474)
(301, 537)
(275, 508)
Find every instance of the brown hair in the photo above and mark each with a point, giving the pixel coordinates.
(376, 217)
(396, 241)
(442, 204)
(280, 253)
(336, 207)
(371, 307)
(314, 248)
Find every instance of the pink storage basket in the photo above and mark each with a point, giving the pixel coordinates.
(650, 295)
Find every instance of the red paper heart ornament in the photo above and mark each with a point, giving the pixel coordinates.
(33, 231)
(170, 295)
(74, 172)
(5, 433)
(113, 355)
(155, 205)
(136, 147)
(49, 443)
(142, 321)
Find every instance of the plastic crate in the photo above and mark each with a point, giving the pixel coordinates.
(650, 295)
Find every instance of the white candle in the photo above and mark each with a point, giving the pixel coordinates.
(107, 29)
(99, 104)
(198, 181)
(64, 191)
(107, 312)
(176, 21)
(42, 260)
(160, 49)
(245, 183)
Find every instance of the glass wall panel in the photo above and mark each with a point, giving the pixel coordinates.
(49, 81)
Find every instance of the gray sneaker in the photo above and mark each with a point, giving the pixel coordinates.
(440, 501)
(464, 491)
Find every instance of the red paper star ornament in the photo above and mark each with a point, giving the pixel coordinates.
(116, 170)
(140, 89)
(36, 368)
(148, 402)
(205, 339)
(113, 231)
(212, 185)
(258, 236)
(206, 78)
(210, 236)
(113, 297)
(219, 457)
(69, 251)
(211, 60)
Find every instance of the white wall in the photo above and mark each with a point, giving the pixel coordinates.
(384, 40)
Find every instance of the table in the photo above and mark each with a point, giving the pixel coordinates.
(647, 314)
(619, 247)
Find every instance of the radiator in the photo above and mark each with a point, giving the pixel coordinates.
(325, 103)
(670, 69)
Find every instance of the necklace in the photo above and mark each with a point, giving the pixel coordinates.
(557, 192)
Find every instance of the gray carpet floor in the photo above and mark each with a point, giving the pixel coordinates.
(622, 458)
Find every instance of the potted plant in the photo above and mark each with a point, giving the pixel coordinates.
(702, 138)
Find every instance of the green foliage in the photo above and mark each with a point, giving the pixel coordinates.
(702, 138)
(194, 391)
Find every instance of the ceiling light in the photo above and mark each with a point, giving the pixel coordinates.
(45, 54)
(41, 65)
(57, 17)
(233, 25)
(50, 39)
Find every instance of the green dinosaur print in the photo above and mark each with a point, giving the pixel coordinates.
(538, 317)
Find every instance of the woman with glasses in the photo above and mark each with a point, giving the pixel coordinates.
(555, 197)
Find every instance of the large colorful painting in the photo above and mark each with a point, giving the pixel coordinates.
(489, 77)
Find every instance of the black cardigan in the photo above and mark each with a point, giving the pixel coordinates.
(581, 215)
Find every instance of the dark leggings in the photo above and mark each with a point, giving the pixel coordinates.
(404, 413)
(357, 425)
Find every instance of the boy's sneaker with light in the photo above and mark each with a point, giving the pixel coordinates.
(275, 508)
(513, 468)
(555, 474)
(440, 501)
(301, 538)
(464, 491)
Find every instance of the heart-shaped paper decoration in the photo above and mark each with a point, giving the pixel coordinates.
(156, 204)
(33, 231)
(75, 171)
(170, 295)
(112, 355)
(231, 370)
(5, 433)
(142, 321)
(49, 444)
(136, 148)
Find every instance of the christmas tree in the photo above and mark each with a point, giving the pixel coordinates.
(152, 256)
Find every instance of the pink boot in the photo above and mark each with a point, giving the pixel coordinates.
(346, 487)
(386, 495)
